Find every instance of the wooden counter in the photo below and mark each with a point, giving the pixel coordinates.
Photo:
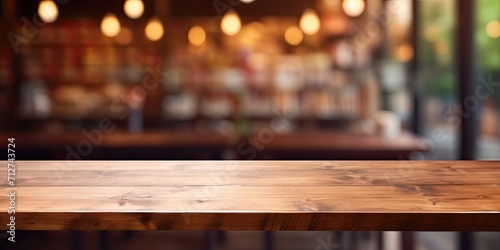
(122, 139)
(118, 145)
(158, 145)
(256, 195)
(338, 146)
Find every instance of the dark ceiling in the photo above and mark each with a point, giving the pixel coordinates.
(178, 8)
(83, 8)
(258, 8)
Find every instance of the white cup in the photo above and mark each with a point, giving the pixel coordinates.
(388, 124)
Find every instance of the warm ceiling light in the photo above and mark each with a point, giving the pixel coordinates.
(294, 36)
(154, 29)
(247, 1)
(230, 23)
(309, 22)
(353, 8)
(133, 8)
(196, 35)
(110, 26)
(493, 29)
(47, 10)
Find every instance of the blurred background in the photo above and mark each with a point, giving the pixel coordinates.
(251, 79)
(208, 75)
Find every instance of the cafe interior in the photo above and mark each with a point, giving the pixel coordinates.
(255, 80)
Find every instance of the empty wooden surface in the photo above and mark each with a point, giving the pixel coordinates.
(256, 195)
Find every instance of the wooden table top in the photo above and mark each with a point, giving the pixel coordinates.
(256, 195)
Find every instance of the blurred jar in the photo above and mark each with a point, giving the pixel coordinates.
(35, 100)
(369, 96)
(317, 67)
(289, 73)
(180, 107)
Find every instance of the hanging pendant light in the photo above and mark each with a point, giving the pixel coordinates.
(110, 25)
(353, 8)
(309, 22)
(196, 36)
(154, 29)
(294, 36)
(133, 8)
(47, 10)
(231, 23)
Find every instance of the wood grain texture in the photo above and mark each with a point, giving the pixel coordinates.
(256, 195)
